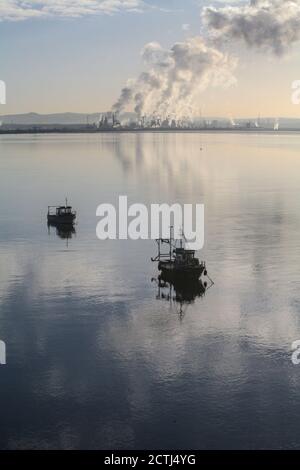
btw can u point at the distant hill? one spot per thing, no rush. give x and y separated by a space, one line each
58 118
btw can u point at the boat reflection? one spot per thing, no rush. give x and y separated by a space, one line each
63 231
179 294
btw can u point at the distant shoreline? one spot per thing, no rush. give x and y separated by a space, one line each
66 130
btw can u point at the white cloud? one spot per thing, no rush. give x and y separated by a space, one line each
185 27
15 10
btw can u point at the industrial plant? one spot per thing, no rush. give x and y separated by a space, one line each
111 120
131 122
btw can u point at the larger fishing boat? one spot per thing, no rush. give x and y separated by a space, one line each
179 263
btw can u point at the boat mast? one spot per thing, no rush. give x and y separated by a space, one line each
160 242
182 238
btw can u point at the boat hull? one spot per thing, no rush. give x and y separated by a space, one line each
61 220
180 273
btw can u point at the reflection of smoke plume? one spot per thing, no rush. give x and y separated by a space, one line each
272 25
174 78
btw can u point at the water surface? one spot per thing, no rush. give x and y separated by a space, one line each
96 358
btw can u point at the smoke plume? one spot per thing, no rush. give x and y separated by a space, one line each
174 77
269 25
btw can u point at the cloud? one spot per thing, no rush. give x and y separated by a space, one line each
174 78
186 27
268 25
16 10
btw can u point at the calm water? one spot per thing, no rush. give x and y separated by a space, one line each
94 358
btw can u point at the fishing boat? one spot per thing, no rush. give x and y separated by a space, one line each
178 264
61 215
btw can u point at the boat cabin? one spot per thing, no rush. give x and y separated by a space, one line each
184 256
60 211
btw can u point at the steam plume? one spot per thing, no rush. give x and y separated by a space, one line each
174 77
270 25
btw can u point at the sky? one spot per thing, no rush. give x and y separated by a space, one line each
78 55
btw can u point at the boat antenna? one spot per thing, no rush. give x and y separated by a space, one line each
66 202
171 227
182 237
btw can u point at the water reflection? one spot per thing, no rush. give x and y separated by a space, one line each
163 160
179 294
63 231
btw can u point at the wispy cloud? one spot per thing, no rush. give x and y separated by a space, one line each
16 10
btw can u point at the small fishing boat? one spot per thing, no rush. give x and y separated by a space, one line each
179 264
61 215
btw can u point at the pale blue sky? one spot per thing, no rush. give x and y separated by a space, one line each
55 64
